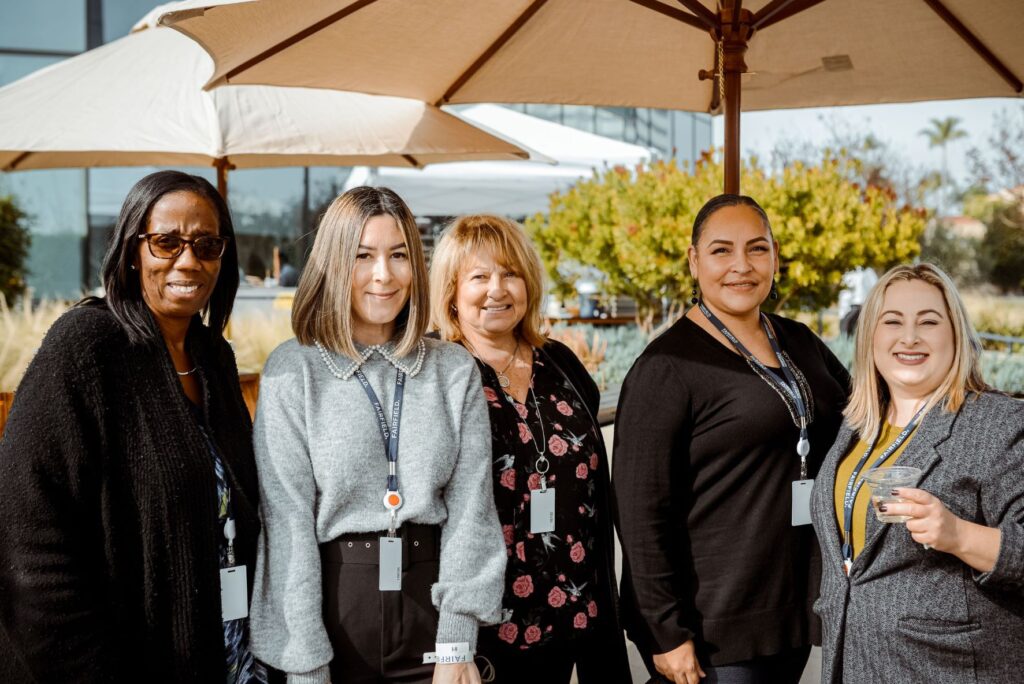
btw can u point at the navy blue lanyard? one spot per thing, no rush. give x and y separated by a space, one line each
791 387
853 486
390 434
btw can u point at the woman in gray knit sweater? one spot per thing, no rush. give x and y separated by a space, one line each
379 556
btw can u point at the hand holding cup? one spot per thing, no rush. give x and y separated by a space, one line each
928 520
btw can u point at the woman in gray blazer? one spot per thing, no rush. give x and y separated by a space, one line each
940 596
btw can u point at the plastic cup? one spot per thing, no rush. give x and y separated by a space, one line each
882 481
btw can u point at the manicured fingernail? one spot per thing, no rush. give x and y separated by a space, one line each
895 492
883 508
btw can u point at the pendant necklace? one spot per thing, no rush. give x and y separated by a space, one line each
503 379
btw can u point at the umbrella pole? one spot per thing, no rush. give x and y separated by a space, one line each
736 30
222 177
732 132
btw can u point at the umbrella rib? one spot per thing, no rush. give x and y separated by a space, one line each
706 16
17 160
412 161
506 35
301 35
778 10
975 43
674 13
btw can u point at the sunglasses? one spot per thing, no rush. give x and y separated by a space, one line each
167 246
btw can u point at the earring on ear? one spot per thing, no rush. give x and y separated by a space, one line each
774 294
131 266
693 296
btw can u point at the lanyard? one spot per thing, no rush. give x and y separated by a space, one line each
853 486
392 498
790 386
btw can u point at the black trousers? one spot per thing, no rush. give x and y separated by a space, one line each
595 656
380 636
779 668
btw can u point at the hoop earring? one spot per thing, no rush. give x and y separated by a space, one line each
774 294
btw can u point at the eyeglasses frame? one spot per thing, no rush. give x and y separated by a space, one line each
190 242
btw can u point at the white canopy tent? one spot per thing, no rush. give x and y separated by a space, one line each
509 188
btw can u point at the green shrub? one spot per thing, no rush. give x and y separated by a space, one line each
14 244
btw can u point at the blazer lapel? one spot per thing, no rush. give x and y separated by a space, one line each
922 452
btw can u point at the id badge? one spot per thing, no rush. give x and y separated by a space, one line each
801 514
390 578
234 599
542 510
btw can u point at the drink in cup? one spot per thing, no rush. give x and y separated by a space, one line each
882 481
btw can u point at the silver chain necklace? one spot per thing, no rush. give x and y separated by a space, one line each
503 380
188 372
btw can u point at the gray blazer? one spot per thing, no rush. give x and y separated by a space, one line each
906 614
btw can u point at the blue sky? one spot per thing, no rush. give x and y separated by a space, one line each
896 124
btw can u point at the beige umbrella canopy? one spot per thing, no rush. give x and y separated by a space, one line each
637 53
139 101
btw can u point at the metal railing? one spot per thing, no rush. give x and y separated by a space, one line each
1008 340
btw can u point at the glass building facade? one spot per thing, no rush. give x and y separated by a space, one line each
669 133
72 211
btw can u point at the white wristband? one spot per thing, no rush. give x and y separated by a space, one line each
447 654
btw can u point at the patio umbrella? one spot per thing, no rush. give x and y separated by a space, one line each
681 54
138 101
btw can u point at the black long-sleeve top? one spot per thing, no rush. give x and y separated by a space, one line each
705 454
109 543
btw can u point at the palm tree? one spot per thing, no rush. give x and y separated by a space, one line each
940 134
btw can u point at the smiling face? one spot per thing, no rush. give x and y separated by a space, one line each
734 260
178 288
913 344
490 298
381 280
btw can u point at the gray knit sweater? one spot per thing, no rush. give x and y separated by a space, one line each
322 472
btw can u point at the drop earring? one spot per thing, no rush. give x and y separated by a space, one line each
694 296
774 294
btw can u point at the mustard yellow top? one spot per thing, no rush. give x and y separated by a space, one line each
862 502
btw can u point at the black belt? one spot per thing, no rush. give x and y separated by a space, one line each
419 543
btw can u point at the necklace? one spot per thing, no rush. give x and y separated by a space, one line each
503 380
188 372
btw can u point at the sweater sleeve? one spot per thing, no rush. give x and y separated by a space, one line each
1002 499
651 424
51 541
472 567
286 619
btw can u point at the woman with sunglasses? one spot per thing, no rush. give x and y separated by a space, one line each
127 479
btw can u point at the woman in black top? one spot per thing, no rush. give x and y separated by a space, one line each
127 480
720 566
559 608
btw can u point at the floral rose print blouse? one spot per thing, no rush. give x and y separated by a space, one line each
551 578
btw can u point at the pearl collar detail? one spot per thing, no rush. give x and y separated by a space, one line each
410 364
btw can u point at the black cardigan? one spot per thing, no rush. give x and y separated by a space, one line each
705 453
609 652
109 568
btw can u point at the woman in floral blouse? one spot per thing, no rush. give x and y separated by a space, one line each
551 481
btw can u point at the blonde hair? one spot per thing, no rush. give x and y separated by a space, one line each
507 242
322 310
869 399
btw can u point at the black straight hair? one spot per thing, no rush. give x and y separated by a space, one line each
122 283
720 202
